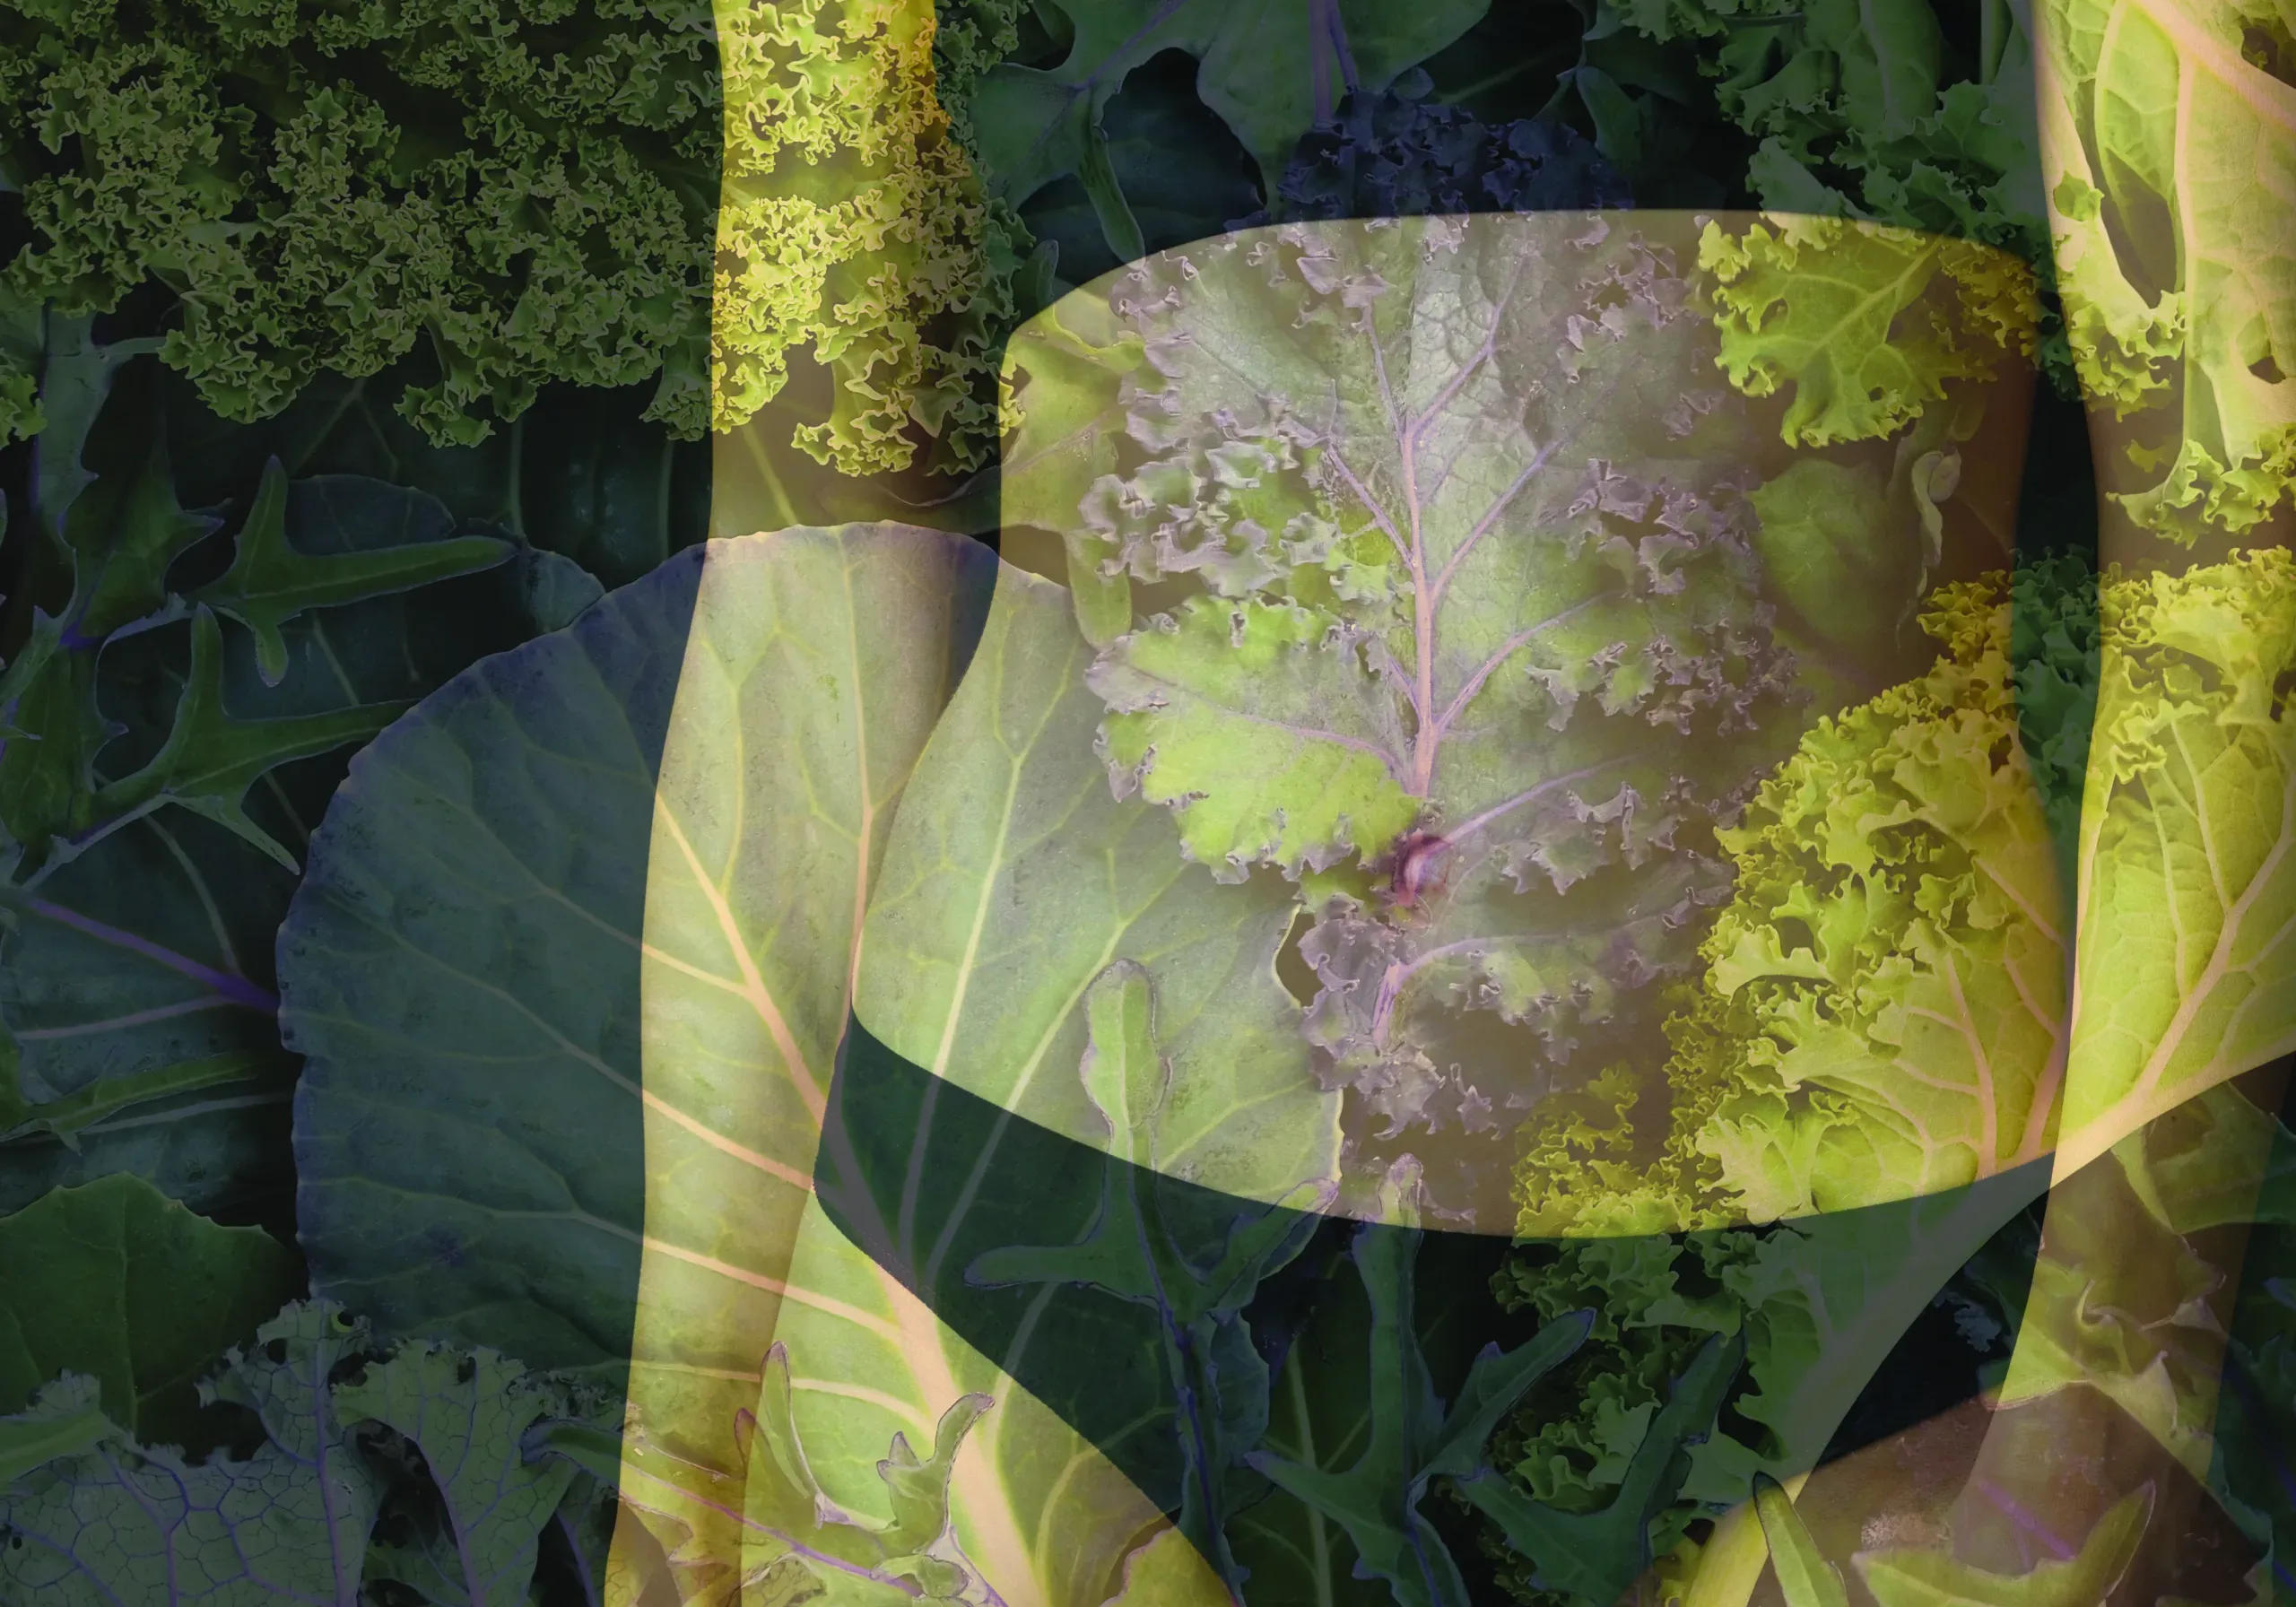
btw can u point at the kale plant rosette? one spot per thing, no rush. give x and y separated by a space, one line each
1379 647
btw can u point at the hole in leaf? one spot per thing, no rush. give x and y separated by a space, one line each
2266 369
1291 967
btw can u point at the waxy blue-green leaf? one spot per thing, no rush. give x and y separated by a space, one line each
572 959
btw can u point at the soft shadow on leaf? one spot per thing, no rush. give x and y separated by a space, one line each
115 1280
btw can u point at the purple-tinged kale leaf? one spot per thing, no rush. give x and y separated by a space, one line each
1461 621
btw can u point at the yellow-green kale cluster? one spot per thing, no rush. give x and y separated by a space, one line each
515 192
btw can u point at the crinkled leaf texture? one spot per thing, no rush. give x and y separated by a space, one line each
1867 324
117 1522
1878 1051
467 1415
2187 888
851 230
446 1494
1469 613
2163 147
1883 1013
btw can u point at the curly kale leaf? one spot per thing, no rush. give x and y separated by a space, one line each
424 1467
1857 320
850 224
2188 886
282 173
1395 155
467 1416
2190 343
119 1522
1868 111
1475 624
1883 1012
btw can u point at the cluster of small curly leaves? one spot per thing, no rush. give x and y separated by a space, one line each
851 225
1867 111
2189 346
1399 155
331 1498
1882 1012
1474 611
1868 323
522 191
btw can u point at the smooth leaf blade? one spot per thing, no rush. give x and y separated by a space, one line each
2188 886
1014 878
643 845
1804 1575
114 1279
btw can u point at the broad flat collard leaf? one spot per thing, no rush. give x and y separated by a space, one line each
1461 501
115 1280
1016 879
1269 70
1036 1510
2163 143
118 1523
2188 882
137 986
817 665
771 1533
598 894
1013 882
